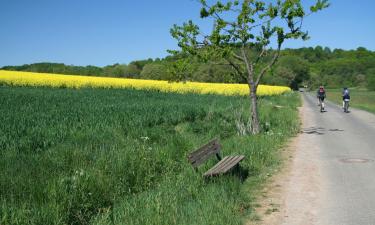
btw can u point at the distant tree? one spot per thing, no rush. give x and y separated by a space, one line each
360 80
293 70
362 52
215 73
279 76
238 28
92 70
154 71
327 50
132 71
370 77
361 49
119 70
115 70
141 63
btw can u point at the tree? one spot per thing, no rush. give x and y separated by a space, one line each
132 71
242 34
371 79
215 73
141 63
155 71
294 69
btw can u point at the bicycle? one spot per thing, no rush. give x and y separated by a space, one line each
321 103
346 105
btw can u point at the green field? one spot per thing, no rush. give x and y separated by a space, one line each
360 98
102 156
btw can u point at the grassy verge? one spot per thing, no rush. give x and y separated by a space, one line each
360 98
97 156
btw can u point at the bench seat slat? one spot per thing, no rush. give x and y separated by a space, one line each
235 160
224 165
225 162
218 169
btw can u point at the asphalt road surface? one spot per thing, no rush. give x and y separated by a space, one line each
332 179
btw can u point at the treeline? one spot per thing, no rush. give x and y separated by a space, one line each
335 68
133 70
296 67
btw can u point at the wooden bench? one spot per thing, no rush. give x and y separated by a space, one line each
202 154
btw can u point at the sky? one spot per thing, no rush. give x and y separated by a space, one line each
104 32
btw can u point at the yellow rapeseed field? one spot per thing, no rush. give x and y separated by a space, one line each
72 81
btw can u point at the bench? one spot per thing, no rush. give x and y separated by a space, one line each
208 150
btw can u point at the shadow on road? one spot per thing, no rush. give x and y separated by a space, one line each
335 130
319 130
313 130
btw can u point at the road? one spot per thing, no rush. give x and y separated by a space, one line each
332 174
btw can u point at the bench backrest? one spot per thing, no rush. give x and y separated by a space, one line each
200 155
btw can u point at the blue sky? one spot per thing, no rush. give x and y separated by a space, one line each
103 32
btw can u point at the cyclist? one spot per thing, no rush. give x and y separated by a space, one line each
345 96
321 95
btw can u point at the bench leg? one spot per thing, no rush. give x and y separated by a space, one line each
240 172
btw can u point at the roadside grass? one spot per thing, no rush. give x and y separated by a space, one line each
360 98
107 156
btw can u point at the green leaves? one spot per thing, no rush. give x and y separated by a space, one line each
204 13
244 23
305 36
272 11
186 36
320 5
181 69
280 35
238 21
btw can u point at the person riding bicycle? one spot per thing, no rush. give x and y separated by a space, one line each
345 96
321 94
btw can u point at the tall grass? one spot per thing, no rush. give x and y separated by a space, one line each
95 156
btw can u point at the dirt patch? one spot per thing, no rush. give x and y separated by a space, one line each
290 197
271 202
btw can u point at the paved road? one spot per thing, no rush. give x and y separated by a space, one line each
332 178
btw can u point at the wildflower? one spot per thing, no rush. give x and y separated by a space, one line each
145 138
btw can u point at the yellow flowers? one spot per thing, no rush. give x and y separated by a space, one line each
72 81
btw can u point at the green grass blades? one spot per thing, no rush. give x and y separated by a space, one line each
119 156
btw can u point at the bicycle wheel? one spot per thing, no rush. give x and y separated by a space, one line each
347 107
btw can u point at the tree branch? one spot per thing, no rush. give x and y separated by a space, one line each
249 67
260 55
238 57
237 68
273 61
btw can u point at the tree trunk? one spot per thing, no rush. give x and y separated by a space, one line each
255 126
